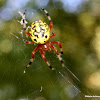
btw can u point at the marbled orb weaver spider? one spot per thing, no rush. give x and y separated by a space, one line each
40 35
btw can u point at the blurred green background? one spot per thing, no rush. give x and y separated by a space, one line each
77 27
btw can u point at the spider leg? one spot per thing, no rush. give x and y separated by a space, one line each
42 54
51 24
29 42
53 34
57 42
23 21
23 40
58 55
31 60
26 32
49 18
55 49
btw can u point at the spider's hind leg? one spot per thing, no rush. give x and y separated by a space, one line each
58 55
42 54
31 60
57 42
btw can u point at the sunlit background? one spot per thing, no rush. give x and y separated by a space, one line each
77 27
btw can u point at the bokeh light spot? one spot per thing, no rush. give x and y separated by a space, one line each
6 46
72 5
93 80
41 3
71 91
40 98
86 20
6 14
96 42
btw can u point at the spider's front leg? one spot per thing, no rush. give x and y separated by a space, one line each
43 56
23 21
49 18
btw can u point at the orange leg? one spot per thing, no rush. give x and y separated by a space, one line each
29 42
42 54
58 55
26 32
51 24
55 49
33 53
53 35
56 42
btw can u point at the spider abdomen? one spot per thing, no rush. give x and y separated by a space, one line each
39 32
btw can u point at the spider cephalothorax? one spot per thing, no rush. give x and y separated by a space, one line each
40 35
39 32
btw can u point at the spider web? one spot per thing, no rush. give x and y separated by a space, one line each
62 74
39 82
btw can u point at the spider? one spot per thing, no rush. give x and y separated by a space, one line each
40 35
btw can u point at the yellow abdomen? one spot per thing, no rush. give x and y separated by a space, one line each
39 32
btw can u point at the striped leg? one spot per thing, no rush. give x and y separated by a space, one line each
51 24
42 54
58 55
31 60
56 42
23 21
